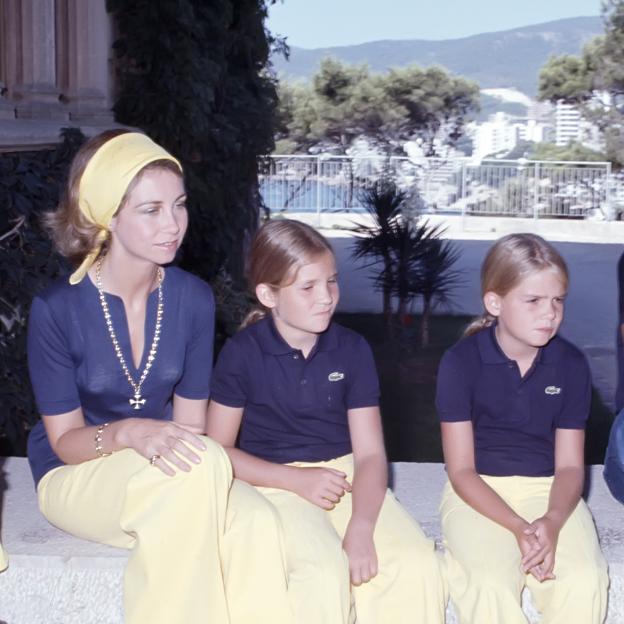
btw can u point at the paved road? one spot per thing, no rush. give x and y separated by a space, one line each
591 309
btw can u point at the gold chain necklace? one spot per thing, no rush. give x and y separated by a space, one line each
137 402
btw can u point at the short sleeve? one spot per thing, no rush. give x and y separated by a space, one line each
577 400
51 367
363 387
195 380
453 392
229 382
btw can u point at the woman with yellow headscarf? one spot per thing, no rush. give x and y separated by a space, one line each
120 358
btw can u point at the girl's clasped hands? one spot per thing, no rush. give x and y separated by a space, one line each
538 546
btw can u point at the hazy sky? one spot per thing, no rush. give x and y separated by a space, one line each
322 23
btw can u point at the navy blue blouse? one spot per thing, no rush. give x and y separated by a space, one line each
514 418
295 408
73 364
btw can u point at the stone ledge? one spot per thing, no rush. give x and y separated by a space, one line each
33 134
479 227
57 579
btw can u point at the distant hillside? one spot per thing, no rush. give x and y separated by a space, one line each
510 58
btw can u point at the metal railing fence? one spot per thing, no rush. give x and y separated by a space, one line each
521 188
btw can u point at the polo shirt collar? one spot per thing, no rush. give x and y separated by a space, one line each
491 353
328 340
271 340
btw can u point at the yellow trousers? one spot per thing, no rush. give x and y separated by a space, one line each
204 548
483 560
408 588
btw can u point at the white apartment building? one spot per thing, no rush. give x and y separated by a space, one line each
568 122
498 134
570 125
501 133
536 131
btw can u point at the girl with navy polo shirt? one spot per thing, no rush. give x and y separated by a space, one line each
120 358
513 398
295 402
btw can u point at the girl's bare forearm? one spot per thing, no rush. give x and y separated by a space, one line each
370 481
260 472
565 494
472 489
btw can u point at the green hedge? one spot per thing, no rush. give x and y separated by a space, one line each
194 76
30 183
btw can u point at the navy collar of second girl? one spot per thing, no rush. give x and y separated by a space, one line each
271 341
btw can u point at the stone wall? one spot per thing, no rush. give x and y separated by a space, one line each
55 69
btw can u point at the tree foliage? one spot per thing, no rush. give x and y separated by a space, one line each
434 277
193 75
412 259
345 102
437 104
573 151
594 81
383 201
30 184
565 78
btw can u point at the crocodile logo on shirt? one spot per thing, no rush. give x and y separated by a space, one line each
552 390
335 376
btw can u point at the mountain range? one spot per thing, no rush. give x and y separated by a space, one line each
505 59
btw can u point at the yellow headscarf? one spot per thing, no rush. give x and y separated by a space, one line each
105 181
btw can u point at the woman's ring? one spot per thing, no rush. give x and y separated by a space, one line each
154 459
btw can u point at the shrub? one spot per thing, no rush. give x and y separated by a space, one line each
30 183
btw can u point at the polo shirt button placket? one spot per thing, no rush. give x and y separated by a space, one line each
307 396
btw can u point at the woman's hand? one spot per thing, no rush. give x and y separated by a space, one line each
322 486
360 548
165 439
541 562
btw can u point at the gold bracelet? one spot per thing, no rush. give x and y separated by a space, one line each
99 434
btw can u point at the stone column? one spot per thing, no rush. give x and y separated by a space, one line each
36 92
9 29
84 61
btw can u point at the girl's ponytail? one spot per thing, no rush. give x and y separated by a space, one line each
256 314
479 323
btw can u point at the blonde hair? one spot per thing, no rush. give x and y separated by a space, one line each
74 236
510 260
278 250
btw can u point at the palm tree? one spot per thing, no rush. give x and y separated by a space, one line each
406 248
433 276
422 265
416 260
383 201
